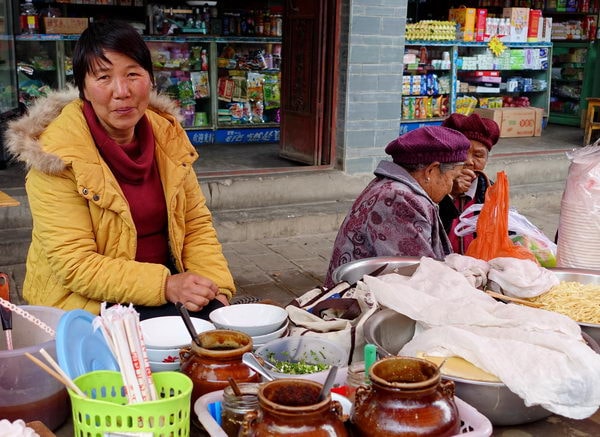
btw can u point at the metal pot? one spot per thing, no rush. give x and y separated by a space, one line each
354 270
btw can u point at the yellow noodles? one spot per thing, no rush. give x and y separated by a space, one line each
580 302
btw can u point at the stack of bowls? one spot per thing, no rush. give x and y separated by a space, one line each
262 322
165 336
577 246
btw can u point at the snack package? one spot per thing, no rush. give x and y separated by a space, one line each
200 83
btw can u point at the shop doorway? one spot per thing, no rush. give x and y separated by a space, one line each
309 79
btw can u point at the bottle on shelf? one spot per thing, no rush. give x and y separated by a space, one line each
29 19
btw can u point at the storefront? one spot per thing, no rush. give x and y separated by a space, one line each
269 86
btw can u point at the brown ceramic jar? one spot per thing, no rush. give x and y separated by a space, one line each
218 358
406 397
290 408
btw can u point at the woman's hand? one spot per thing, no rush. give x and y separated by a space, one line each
194 291
463 182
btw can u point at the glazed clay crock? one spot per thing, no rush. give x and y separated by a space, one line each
289 407
219 357
406 397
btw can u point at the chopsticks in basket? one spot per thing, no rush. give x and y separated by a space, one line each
55 371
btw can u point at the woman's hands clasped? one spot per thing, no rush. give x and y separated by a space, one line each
193 290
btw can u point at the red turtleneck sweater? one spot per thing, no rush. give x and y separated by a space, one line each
135 169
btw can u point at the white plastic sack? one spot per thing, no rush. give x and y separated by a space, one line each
538 354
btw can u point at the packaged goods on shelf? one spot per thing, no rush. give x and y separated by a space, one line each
568 30
547 29
431 30
535 26
65 25
421 108
515 122
490 102
466 104
480 20
465 22
519 23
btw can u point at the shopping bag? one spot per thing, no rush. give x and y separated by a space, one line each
520 229
337 315
492 240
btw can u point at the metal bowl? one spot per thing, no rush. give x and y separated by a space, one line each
390 331
584 277
354 270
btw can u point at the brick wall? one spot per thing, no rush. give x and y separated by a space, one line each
372 44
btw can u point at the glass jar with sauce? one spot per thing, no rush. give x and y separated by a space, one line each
234 407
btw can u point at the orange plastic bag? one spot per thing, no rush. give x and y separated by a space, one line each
492 240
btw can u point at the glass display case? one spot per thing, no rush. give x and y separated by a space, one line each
44 62
9 103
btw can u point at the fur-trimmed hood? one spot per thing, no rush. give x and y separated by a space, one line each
22 138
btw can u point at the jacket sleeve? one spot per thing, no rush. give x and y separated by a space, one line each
64 236
201 252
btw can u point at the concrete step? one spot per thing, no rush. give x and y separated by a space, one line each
530 168
296 203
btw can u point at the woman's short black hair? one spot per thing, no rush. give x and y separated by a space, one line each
117 36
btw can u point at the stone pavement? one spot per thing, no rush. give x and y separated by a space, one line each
279 269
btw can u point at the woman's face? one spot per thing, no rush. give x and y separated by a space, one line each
119 92
440 182
477 156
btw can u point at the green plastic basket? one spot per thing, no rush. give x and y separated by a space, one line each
106 409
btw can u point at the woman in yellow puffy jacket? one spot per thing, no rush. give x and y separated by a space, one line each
118 213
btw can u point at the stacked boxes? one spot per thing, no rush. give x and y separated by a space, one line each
465 22
515 122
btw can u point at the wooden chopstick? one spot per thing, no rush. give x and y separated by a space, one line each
513 299
55 371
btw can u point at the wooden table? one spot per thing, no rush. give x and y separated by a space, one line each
6 200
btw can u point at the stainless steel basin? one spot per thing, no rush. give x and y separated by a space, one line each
583 277
354 270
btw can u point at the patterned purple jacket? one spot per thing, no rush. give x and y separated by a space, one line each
393 216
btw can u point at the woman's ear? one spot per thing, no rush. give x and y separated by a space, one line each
430 169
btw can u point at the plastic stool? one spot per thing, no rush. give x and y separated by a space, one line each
593 103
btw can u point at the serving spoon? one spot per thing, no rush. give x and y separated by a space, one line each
250 360
329 380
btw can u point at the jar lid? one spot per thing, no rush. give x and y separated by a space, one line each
79 348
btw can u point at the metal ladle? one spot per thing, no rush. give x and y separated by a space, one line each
250 360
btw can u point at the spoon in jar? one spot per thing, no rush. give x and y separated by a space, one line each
187 320
329 380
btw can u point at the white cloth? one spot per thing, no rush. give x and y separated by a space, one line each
474 269
521 277
538 354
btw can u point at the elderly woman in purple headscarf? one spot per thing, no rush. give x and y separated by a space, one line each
397 213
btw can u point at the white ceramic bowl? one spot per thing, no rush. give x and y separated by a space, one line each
163 355
262 339
164 367
251 318
169 332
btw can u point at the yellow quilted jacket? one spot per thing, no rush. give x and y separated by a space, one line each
84 239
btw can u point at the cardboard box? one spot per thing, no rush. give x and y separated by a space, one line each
534 26
480 21
519 23
65 25
465 22
515 122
